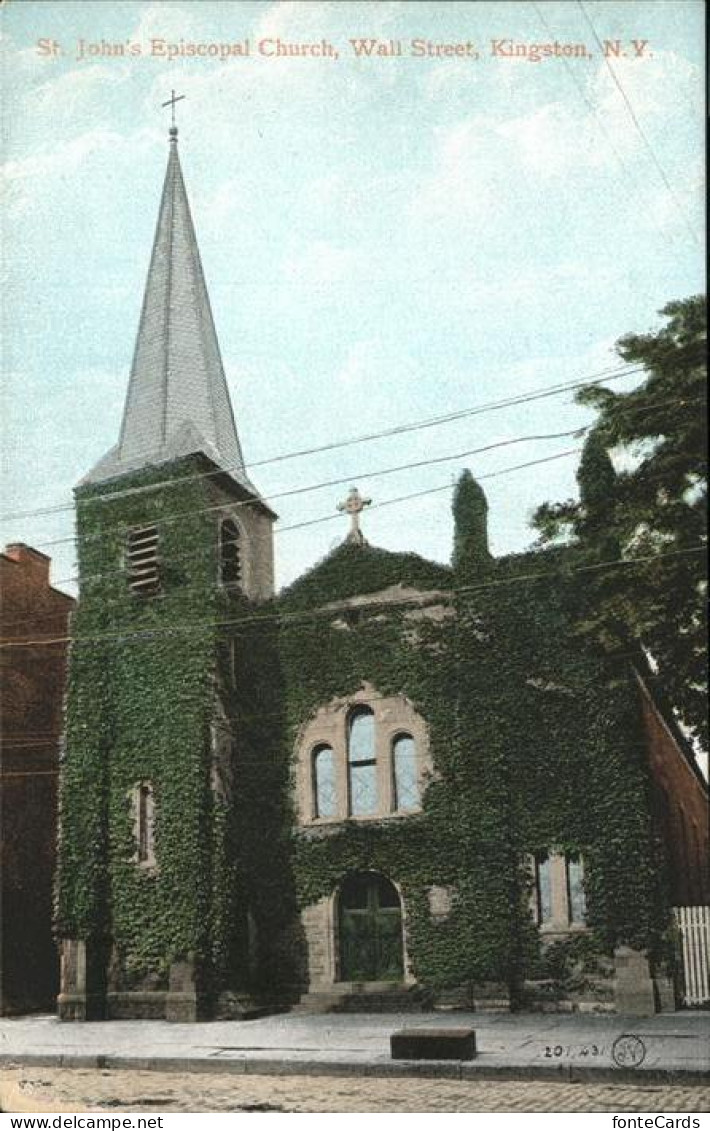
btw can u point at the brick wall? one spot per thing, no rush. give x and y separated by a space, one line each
681 804
32 681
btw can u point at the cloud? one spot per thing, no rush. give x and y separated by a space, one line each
33 182
169 21
321 264
62 159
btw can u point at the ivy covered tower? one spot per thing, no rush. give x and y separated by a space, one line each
174 546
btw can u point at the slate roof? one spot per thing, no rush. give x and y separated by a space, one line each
177 401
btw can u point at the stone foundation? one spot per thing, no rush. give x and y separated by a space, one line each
81 992
633 985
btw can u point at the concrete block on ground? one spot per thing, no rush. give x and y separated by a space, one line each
433 1044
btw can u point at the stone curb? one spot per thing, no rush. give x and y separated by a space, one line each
452 1070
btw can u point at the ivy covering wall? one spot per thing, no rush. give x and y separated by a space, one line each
535 741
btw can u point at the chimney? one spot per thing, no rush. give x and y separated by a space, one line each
35 564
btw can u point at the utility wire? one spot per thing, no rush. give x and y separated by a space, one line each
312 614
192 555
639 128
330 517
178 516
612 374
250 717
599 120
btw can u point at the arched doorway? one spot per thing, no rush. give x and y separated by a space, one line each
370 920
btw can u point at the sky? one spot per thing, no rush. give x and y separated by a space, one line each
385 239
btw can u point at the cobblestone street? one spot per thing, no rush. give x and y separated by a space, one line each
79 1089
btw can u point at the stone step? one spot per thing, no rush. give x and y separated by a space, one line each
360 1001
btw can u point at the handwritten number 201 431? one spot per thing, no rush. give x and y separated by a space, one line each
556 1051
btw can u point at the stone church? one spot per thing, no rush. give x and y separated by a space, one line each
396 784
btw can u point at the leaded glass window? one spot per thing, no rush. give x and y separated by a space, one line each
324 782
543 889
362 763
576 900
406 778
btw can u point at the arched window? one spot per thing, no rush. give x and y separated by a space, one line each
362 762
406 778
324 793
230 553
576 900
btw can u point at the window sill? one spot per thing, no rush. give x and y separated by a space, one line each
563 928
370 819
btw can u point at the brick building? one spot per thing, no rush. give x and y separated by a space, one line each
32 697
681 800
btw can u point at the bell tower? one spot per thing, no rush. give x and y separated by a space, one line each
175 547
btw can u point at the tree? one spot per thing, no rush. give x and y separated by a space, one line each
653 509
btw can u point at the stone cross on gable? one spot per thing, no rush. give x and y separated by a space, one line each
354 505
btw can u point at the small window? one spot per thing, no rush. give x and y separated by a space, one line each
362 763
576 900
142 561
230 553
543 889
144 823
406 778
324 782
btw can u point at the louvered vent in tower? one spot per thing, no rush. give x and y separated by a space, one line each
143 564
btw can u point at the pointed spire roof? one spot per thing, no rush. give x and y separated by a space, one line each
177 401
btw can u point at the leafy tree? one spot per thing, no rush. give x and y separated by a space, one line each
652 509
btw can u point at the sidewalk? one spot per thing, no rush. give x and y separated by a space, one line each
666 1048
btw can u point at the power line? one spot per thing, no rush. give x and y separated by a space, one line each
192 555
641 132
611 374
599 120
287 617
216 507
330 517
177 516
250 717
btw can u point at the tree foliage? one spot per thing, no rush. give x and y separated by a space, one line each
653 509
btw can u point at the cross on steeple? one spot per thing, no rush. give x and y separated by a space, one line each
171 103
354 505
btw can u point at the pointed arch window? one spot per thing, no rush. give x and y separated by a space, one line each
406 777
230 553
362 763
324 791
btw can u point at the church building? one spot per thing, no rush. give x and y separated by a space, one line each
396 784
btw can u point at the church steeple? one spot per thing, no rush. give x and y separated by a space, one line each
178 401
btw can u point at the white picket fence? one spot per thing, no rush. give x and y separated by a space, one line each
694 927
